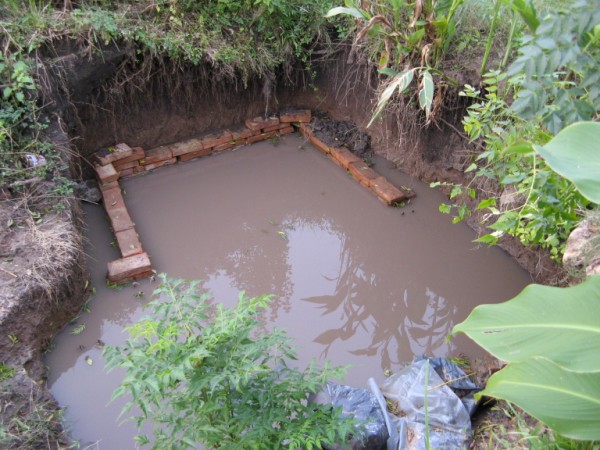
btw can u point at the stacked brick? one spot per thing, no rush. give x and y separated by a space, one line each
123 161
360 171
110 164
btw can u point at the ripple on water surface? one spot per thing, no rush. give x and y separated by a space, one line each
353 281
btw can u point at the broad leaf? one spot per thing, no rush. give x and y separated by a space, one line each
343 10
561 324
400 82
426 93
574 153
569 402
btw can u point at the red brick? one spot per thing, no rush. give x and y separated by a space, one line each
286 130
107 173
112 154
261 137
167 162
189 146
113 199
259 123
138 153
344 156
120 219
273 128
107 186
126 172
335 161
240 132
120 166
157 154
129 268
241 141
361 171
306 130
387 192
223 147
300 115
318 143
212 140
129 242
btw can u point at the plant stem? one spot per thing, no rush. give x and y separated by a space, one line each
513 29
490 39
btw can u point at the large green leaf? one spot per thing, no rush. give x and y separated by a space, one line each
568 402
400 81
343 10
574 153
561 324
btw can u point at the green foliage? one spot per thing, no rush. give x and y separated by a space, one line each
557 68
539 207
6 372
404 39
550 337
565 152
215 376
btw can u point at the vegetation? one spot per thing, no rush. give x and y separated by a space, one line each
215 376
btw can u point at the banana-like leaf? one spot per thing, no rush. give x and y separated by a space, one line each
561 324
348 11
574 153
400 81
426 93
568 402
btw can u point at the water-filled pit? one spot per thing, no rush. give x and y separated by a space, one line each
354 281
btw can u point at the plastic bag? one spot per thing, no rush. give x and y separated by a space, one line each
372 433
448 419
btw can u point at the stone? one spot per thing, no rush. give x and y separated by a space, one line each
157 154
361 171
296 116
88 191
387 192
130 268
259 123
188 146
111 154
344 156
107 173
582 250
129 242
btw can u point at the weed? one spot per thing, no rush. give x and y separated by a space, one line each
6 372
78 330
13 339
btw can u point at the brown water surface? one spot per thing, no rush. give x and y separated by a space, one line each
354 281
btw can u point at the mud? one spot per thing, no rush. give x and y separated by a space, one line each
354 281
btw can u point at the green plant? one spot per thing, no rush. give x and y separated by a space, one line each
6 372
405 39
531 201
557 68
550 337
210 375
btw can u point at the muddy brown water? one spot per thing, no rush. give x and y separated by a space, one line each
354 281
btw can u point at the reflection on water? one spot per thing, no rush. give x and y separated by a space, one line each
353 281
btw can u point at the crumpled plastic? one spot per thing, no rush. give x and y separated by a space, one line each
448 415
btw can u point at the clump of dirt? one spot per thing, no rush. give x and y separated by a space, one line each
42 277
338 133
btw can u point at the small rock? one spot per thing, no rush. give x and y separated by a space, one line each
88 191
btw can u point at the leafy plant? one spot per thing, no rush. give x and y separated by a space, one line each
550 336
404 39
531 201
213 376
557 68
